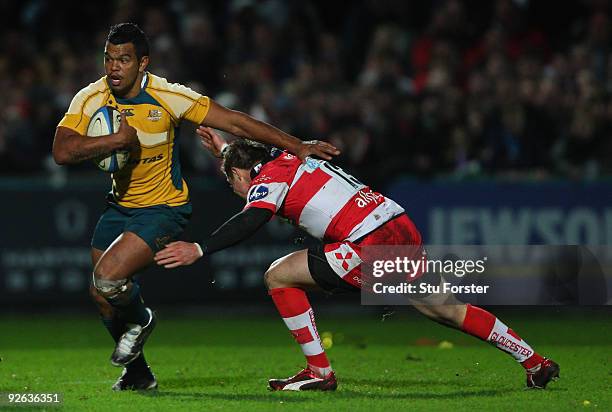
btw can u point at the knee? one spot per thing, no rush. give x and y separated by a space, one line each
445 314
101 272
108 289
107 281
273 277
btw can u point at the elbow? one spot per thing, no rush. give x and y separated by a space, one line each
62 145
60 161
61 157
59 152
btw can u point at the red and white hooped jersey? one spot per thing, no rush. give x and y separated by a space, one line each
320 198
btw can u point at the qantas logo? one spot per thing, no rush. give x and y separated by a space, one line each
145 160
258 193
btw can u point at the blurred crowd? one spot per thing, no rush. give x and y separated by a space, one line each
442 88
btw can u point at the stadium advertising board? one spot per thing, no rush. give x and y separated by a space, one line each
45 255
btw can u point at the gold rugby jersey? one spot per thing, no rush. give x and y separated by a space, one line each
153 174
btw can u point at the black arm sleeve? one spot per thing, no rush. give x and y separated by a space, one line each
237 229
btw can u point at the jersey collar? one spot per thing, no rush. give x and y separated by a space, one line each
274 153
143 96
256 169
143 82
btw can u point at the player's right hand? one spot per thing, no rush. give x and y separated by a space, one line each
126 134
317 148
177 254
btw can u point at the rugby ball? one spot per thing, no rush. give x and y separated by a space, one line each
106 121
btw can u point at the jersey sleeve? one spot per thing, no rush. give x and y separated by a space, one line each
83 106
182 102
269 189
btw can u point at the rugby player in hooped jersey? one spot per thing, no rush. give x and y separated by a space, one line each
346 215
149 203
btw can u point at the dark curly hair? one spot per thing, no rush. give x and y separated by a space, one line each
129 33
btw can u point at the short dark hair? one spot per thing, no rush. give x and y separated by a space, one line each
243 154
129 33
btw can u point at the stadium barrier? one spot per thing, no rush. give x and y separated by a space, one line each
45 254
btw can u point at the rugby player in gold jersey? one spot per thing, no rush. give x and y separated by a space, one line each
148 205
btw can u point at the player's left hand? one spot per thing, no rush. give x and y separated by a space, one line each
211 140
177 254
317 148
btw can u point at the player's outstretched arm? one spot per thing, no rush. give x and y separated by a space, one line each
242 125
71 147
235 230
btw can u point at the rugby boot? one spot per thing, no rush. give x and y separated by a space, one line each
539 376
131 342
136 380
305 380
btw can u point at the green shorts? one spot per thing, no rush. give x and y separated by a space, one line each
156 225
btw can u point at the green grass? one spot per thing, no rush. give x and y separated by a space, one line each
212 364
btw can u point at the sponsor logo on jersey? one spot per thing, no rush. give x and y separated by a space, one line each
264 178
145 160
344 258
289 156
311 165
366 196
154 115
258 193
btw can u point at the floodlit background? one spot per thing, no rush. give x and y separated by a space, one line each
488 121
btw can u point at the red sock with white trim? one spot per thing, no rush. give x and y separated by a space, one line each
484 325
293 306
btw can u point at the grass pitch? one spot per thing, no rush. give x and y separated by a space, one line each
207 363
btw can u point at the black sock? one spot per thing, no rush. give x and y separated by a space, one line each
116 328
134 311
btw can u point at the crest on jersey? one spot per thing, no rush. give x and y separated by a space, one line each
311 165
258 193
154 115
